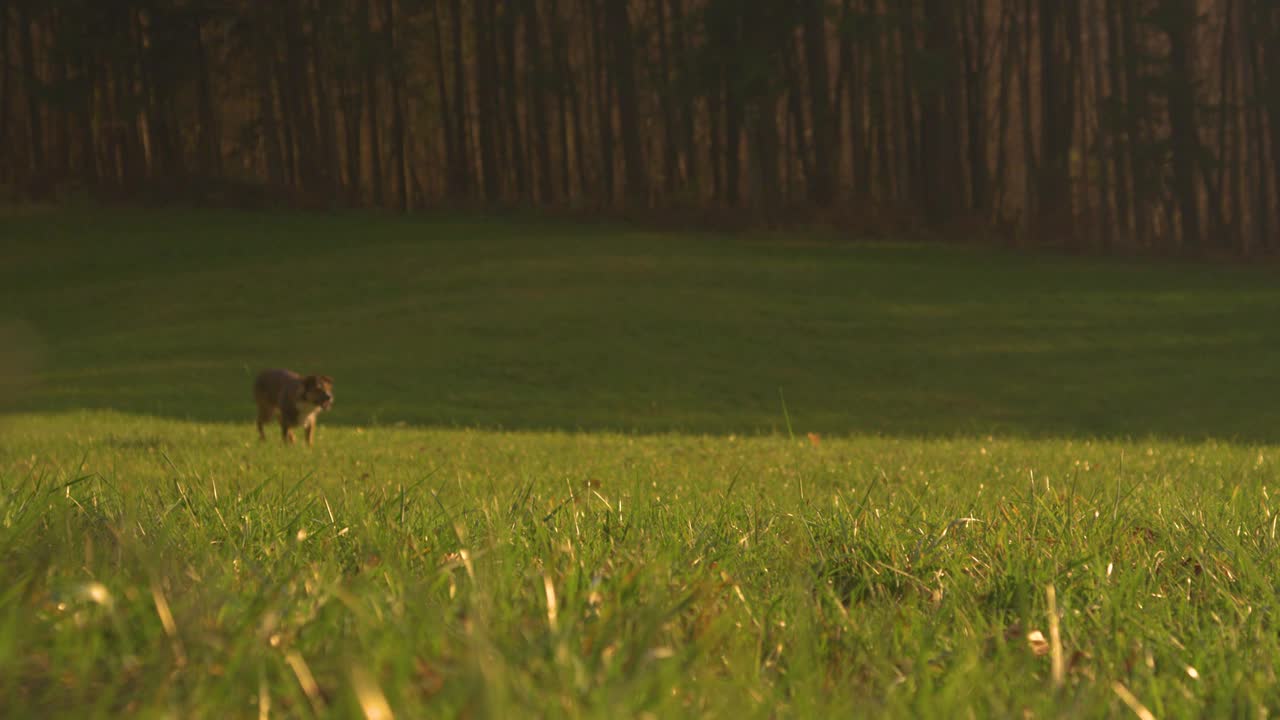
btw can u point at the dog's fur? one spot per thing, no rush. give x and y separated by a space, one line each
298 399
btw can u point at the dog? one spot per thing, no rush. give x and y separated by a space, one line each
298 399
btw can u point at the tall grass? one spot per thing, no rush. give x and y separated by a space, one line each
163 567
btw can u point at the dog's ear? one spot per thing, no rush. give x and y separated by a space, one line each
326 379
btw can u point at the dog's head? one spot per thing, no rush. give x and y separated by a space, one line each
318 390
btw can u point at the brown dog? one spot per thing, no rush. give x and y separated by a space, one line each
298 399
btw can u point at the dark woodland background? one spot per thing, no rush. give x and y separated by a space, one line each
1093 124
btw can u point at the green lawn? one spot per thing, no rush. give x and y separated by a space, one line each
559 479
541 326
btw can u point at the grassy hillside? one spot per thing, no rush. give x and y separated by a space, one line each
540 326
558 479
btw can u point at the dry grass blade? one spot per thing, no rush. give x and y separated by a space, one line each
264 699
1134 704
372 700
550 589
166 621
306 680
1058 669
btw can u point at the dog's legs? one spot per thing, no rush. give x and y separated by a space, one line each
286 434
264 417
311 429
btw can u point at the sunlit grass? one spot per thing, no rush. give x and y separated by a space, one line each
163 566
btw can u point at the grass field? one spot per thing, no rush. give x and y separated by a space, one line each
585 471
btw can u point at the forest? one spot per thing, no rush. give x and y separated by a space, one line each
1098 125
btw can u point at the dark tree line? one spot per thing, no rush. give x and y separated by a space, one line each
1091 123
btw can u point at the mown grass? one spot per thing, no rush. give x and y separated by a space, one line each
645 538
542 326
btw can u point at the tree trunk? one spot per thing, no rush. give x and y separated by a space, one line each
670 151
486 80
571 110
909 127
618 29
562 81
1030 161
579 113
151 121
942 181
270 128
87 165
688 113
210 134
460 103
760 34
1057 113
59 147
1218 183
889 146
851 90
296 93
509 96
454 187
395 77
1119 144
5 162
715 148
35 124
536 85
826 151
1255 119
976 52
1182 122
352 112
1008 31
327 155
732 146
287 123
371 107
1268 76
604 103
96 67
795 107
1102 151
1133 109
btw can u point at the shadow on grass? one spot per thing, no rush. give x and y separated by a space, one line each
495 324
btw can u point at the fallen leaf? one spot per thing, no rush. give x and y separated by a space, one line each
1039 645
